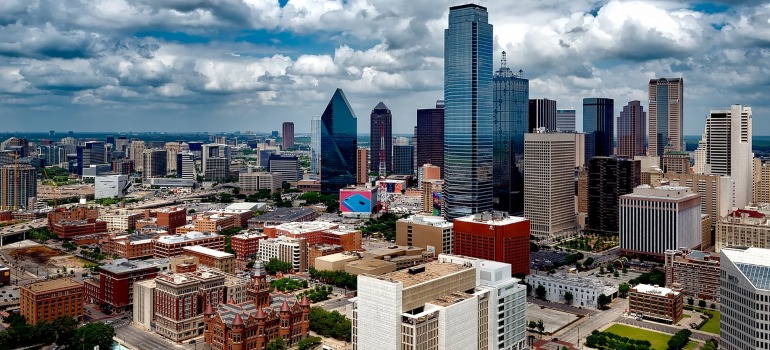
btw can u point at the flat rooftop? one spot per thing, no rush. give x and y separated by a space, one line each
209 251
338 257
392 250
284 214
648 289
494 219
369 264
46 286
304 227
451 299
123 266
171 239
433 270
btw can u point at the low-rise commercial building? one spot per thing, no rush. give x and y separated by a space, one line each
116 281
334 262
121 220
254 182
311 230
211 223
655 303
585 291
134 246
220 260
494 236
48 300
743 228
433 233
144 304
246 245
369 266
72 228
282 216
319 250
349 239
286 249
168 246
693 272
110 186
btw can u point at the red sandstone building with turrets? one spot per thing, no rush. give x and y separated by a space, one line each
254 324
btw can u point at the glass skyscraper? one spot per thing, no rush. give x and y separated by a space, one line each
315 144
666 109
511 110
430 136
468 121
598 121
338 144
381 143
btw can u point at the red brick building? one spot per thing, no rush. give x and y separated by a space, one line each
172 218
70 228
180 300
246 244
132 246
116 281
49 300
77 213
168 246
494 236
349 239
656 303
253 324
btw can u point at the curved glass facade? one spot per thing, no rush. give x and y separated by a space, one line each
598 120
338 144
468 121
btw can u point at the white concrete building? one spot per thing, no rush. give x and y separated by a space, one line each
144 303
653 220
585 291
550 160
111 186
744 298
120 220
455 303
253 182
185 166
728 149
290 250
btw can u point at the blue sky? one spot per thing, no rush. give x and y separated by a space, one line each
248 65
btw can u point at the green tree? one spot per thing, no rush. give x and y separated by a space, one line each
679 340
625 270
540 291
623 289
308 343
603 300
276 344
274 266
713 306
701 303
330 324
568 297
540 326
532 325
588 262
615 274
690 301
93 334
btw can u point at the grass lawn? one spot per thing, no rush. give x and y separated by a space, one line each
686 316
659 341
712 325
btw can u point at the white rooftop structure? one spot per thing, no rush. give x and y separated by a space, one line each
189 236
306 226
673 192
428 220
209 251
657 290
495 218
245 206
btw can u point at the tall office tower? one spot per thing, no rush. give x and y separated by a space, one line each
154 163
565 120
185 166
430 133
287 166
728 149
549 187
338 144
403 157
494 236
287 135
381 142
666 113
744 296
362 160
91 153
19 145
542 114
608 179
699 166
136 151
172 150
18 183
453 303
511 113
414 148
632 126
654 220
121 144
468 122
598 121
216 162
677 162
763 185
315 145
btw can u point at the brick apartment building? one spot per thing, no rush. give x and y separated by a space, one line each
656 303
494 236
311 230
76 213
48 300
172 218
132 246
168 246
210 223
180 300
116 281
349 239
694 272
225 262
246 245
70 228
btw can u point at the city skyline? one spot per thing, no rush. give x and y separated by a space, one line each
233 66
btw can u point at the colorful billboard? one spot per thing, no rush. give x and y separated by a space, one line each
391 186
356 201
436 203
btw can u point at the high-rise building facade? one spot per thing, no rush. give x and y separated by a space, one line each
632 128
216 162
608 179
654 220
542 115
468 122
381 143
315 145
287 166
743 227
338 144
511 113
565 120
549 190
403 157
666 113
18 184
763 185
287 135
135 152
728 149
494 236
154 163
430 133
185 166
172 150
454 303
598 122
744 295
362 160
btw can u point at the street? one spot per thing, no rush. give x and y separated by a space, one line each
593 321
139 339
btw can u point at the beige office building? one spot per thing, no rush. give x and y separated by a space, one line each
762 183
744 228
664 112
716 192
433 233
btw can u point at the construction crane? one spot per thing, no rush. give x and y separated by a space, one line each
53 188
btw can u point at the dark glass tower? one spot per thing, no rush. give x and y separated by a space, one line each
338 144
542 114
598 120
608 179
381 131
468 121
430 135
403 157
632 125
511 110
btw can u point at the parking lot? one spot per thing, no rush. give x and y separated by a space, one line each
553 320
545 258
